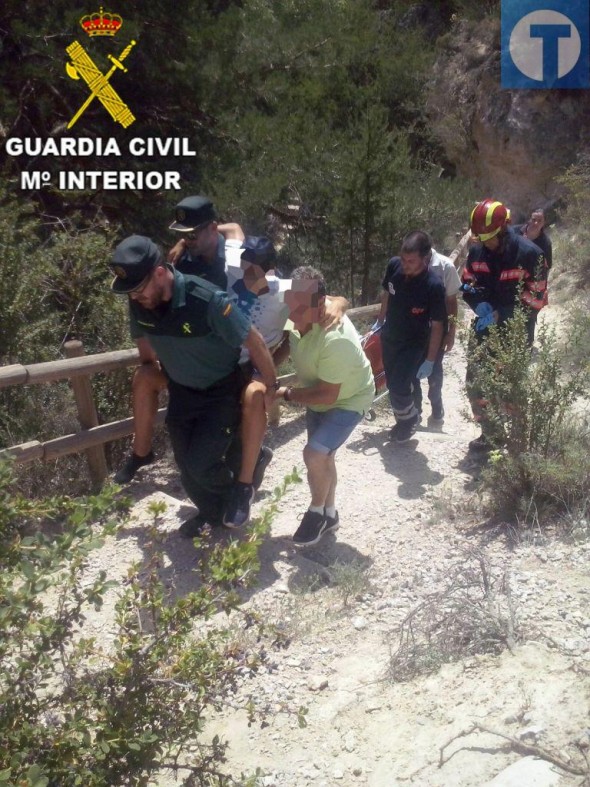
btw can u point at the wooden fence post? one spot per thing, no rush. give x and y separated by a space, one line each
87 415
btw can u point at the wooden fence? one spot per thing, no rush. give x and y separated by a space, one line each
79 368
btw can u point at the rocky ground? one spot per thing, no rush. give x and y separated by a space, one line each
409 523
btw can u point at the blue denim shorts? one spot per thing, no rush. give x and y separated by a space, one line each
327 431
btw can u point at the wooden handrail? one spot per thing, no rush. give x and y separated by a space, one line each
83 440
67 368
81 368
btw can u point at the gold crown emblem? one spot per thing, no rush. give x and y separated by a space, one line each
101 23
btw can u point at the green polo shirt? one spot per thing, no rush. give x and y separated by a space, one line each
197 335
334 356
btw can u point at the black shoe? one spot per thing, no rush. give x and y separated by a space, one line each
237 513
264 459
312 528
403 430
131 466
481 445
333 522
438 414
193 527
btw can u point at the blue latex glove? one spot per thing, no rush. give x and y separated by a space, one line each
485 313
425 369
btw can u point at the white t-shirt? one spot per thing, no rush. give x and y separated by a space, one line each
445 270
268 312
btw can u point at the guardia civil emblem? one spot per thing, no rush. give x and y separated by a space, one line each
83 67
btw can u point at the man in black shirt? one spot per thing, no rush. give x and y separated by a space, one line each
414 311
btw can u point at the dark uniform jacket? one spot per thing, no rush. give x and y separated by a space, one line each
212 271
413 302
197 336
517 273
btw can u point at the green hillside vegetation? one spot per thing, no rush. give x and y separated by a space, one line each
313 104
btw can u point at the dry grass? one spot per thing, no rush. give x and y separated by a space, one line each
473 614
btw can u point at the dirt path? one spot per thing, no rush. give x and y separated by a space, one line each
405 527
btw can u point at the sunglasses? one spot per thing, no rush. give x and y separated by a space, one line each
195 233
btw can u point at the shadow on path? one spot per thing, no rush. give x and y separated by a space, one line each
402 461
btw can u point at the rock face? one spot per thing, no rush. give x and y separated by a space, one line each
512 143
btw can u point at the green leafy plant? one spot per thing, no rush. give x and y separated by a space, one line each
77 710
541 464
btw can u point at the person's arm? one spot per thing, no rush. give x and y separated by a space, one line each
261 358
146 351
534 292
281 353
231 231
335 308
452 310
436 337
319 393
176 252
476 274
383 309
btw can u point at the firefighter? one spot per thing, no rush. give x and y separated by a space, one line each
504 271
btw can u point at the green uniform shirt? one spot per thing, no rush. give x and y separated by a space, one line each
334 356
197 335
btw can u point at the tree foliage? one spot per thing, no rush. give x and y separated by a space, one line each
313 103
307 122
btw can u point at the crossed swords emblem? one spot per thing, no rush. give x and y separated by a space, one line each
100 87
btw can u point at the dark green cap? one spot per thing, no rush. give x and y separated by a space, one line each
192 213
133 261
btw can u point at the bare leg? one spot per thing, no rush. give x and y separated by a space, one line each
321 476
148 381
331 498
253 428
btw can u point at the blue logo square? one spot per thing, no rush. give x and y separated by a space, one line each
545 44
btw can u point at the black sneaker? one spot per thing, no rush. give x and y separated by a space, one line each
131 466
237 513
264 459
333 522
193 527
312 528
438 414
403 430
481 445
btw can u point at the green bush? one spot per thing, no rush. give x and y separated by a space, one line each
55 288
77 711
542 463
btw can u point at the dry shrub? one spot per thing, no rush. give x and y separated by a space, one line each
473 614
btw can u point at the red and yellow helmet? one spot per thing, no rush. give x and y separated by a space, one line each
488 218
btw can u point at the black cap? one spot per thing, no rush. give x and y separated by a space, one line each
260 251
191 213
133 261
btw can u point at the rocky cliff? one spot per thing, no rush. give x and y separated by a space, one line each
512 143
